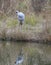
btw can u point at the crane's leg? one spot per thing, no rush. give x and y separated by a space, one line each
19 26
21 23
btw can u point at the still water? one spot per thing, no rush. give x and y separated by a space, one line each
34 53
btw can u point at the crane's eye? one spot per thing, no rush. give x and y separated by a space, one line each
16 12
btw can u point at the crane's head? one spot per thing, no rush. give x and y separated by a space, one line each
17 11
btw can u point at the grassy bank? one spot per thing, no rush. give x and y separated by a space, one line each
10 29
10 26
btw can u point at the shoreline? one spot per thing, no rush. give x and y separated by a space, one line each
23 36
43 41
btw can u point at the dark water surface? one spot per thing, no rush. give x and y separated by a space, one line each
34 53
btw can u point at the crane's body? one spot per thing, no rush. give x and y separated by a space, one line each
19 60
21 17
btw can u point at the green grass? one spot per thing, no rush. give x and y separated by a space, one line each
11 22
32 20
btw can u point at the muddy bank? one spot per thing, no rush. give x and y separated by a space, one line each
23 35
30 40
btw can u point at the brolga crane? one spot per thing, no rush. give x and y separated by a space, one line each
20 58
21 17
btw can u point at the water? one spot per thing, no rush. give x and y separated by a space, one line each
34 53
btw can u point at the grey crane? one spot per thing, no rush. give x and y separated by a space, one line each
20 58
21 17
